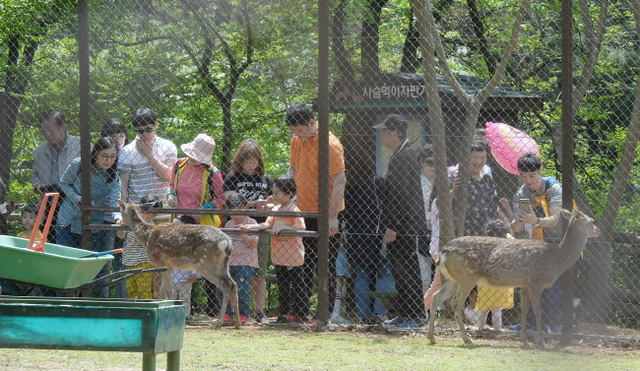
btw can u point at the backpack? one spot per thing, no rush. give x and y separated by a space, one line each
541 207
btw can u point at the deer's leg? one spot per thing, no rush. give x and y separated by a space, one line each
233 296
228 287
536 300
165 284
524 310
230 293
214 278
448 288
464 288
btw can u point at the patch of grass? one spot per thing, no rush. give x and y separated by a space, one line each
260 348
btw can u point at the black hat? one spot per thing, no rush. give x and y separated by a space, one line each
393 122
147 206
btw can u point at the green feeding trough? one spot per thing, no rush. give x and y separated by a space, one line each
146 326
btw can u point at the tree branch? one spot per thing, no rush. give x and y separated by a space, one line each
140 42
593 41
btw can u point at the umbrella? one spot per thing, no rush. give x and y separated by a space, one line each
508 144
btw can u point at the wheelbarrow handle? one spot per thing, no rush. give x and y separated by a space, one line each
102 253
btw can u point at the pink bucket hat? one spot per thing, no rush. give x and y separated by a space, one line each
201 149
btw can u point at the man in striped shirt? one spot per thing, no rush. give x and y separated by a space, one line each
145 163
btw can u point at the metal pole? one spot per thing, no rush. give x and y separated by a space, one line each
323 160
85 116
568 110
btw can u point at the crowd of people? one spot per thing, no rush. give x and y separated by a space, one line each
384 233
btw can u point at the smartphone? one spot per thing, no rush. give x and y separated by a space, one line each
525 205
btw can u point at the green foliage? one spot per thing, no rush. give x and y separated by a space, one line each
627 221
26 17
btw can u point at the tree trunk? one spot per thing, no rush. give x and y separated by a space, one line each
410 59
227 139
370 37
15 85
426 28
600 305
8 114
345 69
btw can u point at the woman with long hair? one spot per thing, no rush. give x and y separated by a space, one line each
105 192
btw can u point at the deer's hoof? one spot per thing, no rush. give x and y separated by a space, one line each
215 326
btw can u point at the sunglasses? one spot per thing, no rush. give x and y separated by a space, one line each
148 129
150 205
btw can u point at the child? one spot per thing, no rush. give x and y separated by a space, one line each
343 272
28 216
287 252
244 258
427 178
247 177
135 256
182 283
182 280
434 247
494 300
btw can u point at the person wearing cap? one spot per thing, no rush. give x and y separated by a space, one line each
145 164
403 221
196 183
303 166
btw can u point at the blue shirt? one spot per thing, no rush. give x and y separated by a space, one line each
103 193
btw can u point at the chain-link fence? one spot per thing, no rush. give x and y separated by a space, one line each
199 100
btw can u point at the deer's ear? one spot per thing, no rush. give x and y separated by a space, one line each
566 213
121 205
577 214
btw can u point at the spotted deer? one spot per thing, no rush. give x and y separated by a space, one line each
529 264
203 248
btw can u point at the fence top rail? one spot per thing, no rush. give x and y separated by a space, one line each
249 212
286 232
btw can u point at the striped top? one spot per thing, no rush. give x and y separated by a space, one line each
134 253
143 179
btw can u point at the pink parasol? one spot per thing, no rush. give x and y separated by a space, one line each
508 144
